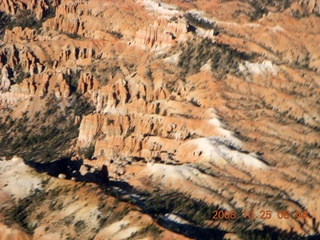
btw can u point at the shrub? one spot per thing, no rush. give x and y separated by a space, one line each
116 34
199 21
5 20
224 58
88 152
79 225
25 18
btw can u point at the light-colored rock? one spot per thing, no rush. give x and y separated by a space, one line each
228 115
62 176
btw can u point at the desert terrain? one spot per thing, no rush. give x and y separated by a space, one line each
145 119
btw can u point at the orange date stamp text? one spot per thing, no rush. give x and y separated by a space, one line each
262 214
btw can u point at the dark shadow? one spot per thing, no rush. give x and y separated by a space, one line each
191 28
124 192
122 185
156 207
63 165
71 168
191 231
274 234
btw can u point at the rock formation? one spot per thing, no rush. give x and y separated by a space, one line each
214 101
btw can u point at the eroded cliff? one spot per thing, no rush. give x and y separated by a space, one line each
216 101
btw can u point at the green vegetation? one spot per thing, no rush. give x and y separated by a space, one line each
116 34
68 220
48 136
110 121
72 79
87 152
27 19
82 106
195 211
46 145
198 213
224 58
4 21
194 56
24 18
199 22
269 233
264 6
34 207
21 74
79 226
151 229
111 213
259 10
23 209
72 35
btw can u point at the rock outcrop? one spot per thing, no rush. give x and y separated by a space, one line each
162 33
13 233
216 101
11 6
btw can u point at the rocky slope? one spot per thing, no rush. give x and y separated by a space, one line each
68 209
215 101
